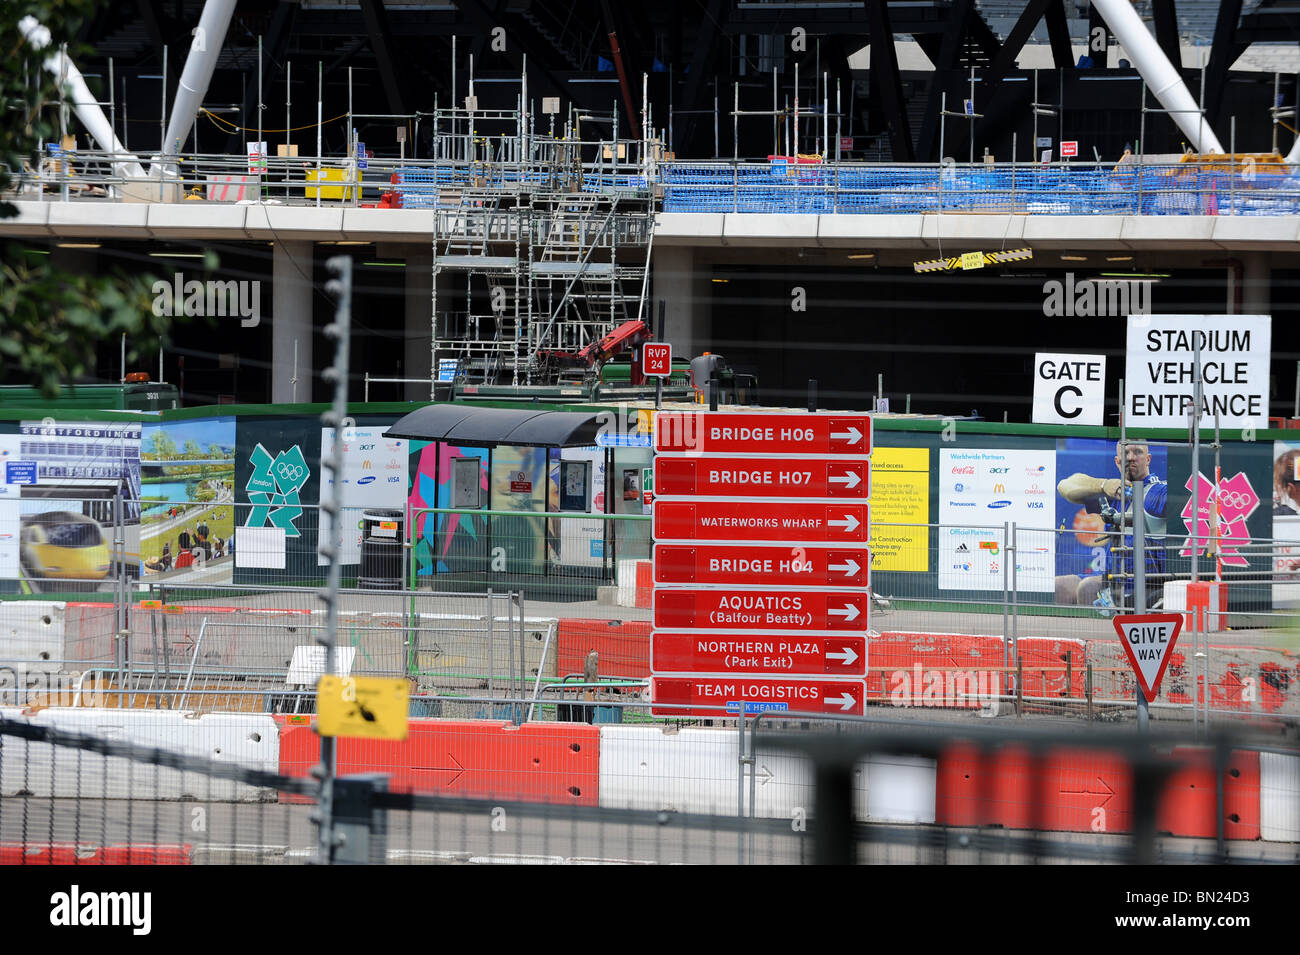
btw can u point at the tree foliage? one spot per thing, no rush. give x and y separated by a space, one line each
51 319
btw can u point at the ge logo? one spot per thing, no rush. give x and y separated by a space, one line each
290 472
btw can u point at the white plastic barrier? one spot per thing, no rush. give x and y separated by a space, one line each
1279 797
626 579
43 769
898 788
31 636
695 770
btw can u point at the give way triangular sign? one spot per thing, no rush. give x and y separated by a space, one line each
1148 639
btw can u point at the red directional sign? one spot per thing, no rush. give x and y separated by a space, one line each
760 521
718 696
761 477
744 653
1148 639
751 565
722 432
657 359
754 610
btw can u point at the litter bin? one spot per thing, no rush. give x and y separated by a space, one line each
381 550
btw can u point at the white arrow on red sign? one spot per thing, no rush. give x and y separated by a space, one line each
850 523
849 612
1148 639
849 567
848 479
848 656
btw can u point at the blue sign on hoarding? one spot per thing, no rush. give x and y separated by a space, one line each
20 472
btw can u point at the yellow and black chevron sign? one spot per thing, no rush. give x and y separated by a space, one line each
973 260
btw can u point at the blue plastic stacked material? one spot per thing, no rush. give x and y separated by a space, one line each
418 188
1044 190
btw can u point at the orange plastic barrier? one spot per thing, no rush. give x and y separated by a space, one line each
1078 790
645 583
623 647
147 855
1187 805
1053 668
56 854
71 854
536 762
1244 679
933 669
1072 790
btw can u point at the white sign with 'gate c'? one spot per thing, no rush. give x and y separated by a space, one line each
1069 389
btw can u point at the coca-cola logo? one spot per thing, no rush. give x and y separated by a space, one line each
964 469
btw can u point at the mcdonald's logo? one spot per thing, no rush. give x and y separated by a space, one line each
999 489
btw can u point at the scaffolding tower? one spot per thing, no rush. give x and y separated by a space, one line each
540 246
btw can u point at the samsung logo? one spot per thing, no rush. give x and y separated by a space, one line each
368 479
996 504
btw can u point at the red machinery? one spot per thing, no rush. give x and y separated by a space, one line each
627 336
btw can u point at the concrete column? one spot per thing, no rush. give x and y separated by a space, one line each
291 322
417 357
680 281
1256 280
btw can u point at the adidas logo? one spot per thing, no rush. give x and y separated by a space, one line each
963 549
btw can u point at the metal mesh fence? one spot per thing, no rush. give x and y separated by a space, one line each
1244 187
558 609
865 790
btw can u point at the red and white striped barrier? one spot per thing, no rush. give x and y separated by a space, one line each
233 188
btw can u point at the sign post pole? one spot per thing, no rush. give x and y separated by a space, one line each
1194 433
1140 580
